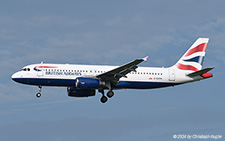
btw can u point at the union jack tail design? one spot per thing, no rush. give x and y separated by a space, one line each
192 60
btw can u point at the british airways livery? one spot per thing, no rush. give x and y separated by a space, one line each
84 80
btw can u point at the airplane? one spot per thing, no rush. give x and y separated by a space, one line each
84 80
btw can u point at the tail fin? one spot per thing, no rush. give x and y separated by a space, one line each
192 60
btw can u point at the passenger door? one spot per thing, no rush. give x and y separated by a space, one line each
40 71
171 75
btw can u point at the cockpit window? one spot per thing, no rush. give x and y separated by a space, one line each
25 69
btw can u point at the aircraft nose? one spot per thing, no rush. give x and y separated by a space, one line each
15 76
19 77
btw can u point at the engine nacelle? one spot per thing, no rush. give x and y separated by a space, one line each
77 92
86 82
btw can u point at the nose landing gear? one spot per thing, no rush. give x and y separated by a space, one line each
38 95
39 92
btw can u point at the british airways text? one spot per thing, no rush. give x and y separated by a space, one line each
62 73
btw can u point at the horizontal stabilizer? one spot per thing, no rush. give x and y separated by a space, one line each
199 73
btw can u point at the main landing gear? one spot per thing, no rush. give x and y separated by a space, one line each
109 94
39 92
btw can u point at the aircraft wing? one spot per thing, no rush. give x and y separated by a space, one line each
115 74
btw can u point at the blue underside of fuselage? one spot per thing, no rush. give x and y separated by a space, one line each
71 83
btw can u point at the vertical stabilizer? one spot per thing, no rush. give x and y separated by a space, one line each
192 60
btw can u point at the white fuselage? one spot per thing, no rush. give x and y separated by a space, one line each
65 75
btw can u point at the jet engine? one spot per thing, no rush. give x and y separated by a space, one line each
77 92
89 83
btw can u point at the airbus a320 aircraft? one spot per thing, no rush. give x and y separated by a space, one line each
84 80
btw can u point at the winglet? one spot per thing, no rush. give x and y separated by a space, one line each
145 59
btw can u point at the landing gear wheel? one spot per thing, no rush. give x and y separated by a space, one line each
104 99
110 94
38 95
39 91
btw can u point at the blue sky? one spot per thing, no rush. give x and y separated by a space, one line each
113 33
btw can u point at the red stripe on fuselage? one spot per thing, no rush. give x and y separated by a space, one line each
44 67
200 48
186 67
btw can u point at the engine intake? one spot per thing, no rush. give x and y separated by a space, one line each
77 92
